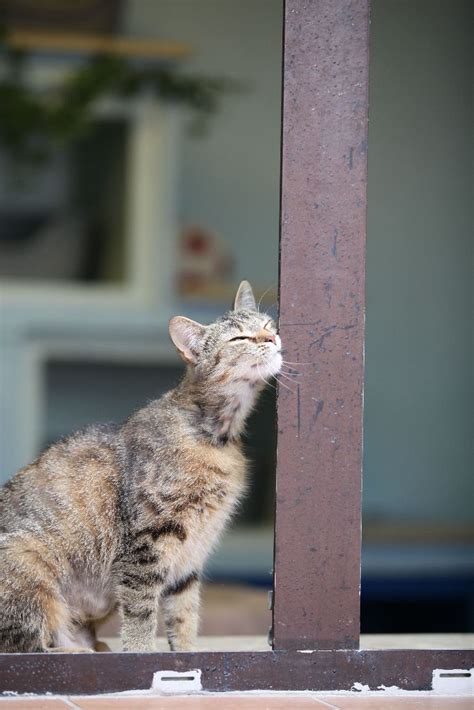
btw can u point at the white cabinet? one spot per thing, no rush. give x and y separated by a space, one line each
126 320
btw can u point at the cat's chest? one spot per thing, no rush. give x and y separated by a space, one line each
208 495
216 478
212 484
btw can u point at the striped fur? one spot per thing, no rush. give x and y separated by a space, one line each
124 517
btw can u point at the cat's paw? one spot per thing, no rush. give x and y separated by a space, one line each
138 648
184 648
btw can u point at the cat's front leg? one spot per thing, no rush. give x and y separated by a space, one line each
139 592
180 606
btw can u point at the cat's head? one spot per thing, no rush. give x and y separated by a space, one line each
242 343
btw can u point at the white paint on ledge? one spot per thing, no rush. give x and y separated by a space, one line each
453 681
393 689
177 682
445 681
360 688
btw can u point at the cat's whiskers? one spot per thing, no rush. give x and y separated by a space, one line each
262 297
280 382
290 362
276 378
291 371
283 374
267 382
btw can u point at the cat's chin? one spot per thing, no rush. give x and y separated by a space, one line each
272 367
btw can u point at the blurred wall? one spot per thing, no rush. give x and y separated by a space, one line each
418 450
418 443
418 436
230 179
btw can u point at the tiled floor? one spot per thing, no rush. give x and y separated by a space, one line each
400 703
241 702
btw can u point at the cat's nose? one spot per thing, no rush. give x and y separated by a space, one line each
266 337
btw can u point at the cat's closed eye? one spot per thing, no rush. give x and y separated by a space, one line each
241 337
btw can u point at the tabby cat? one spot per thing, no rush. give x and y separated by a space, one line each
124 517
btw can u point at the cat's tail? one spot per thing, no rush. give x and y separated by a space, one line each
30 607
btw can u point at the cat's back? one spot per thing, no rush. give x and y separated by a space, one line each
68 492
59 534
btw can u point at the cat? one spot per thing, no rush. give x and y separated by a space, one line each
125 517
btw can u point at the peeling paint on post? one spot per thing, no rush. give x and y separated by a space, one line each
322 260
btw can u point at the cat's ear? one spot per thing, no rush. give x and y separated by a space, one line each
244 298
187 335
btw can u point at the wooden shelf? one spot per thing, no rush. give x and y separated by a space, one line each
69 43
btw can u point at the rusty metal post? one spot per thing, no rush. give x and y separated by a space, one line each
322 259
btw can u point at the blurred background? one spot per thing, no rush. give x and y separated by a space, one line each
139 179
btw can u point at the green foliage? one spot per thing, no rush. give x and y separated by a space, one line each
33 123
